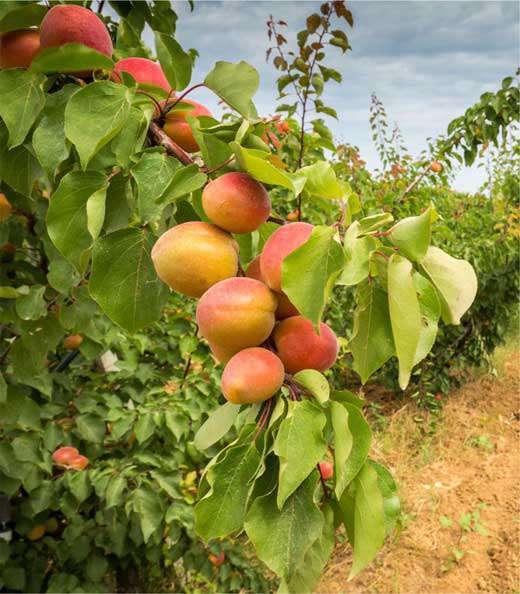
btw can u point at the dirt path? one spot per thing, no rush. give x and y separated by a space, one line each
459 490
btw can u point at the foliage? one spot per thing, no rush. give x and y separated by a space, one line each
93 180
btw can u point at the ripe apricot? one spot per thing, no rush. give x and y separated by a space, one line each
179 130
193 256
5 207
18 48
236 313
252 375
144 71
70 23
73 341
326 470
285 308
436 166
64 455
300 347
236 202
217 559
78 462
36 532
220 354
280 244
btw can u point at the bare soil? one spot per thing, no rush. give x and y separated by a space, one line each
459 486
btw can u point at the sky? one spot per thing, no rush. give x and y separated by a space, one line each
427 61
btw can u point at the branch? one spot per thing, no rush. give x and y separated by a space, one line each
160 138
414 183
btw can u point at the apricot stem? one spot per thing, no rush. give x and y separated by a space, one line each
226 162
264 417
157 104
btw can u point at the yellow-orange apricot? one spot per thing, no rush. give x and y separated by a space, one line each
18 48
280 244
5 207
73 341
236 313
193 256
300 347
252 375
36 532
436 166
236 202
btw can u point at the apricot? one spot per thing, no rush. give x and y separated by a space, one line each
5 208
36 532
300 347
70 23
193 256
179 130
144 71
236 313
280 244
63 455
73 341
436 166
220 354
217 559
18 48
51 525
252 375
326 470
236 202
285 308
78 462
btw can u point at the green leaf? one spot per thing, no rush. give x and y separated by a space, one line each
223 508
369 525
358 251
153 174
315 382
362 437
309 272
67 218
235 84
283 537
123 281
372 343
25 449
41 497
114 492
32 306
343 442
150 508
175 62
306 578
412 235
185 180
214 151
91 428
19 168
3 389
388 488
144 427
79 485
131 138
405 315
21 100
455 281
348 397
96 568
48 140
96 212
70 57
303 424
21 15
256 163
13 292
94 115
321 181
216 426
430 313
374 222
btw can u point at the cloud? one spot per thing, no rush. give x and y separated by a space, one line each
427 61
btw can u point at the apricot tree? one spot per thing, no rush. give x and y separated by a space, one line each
132 189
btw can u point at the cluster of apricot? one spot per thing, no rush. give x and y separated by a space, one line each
69 458
69 23
250 324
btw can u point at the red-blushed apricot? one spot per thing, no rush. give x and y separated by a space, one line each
220 354
18 48
252 375
5 207
217 559
436 166
78 462
73 341
36 532
236 202
69 23
326 470
280 244
144 71
236 313
193 256
64 455
179 130
300 347
285 308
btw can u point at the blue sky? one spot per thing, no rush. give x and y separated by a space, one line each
427 61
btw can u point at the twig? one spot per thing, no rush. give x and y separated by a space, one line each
264 417
172 148
171 105
414 183
276 220
185 372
